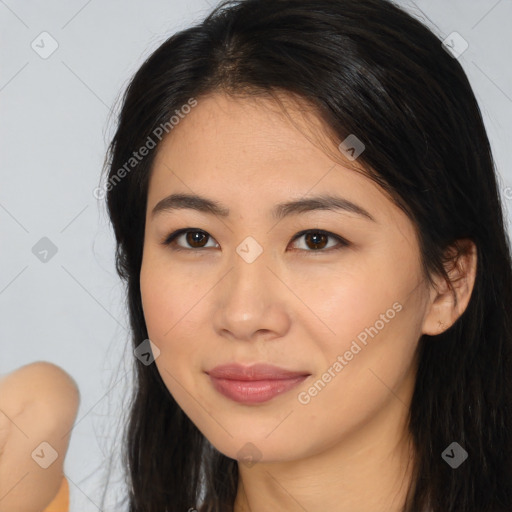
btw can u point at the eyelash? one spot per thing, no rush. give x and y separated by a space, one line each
170 240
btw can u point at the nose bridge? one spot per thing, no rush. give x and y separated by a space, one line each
249 273
248 300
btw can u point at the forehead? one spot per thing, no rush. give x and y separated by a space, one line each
246 152
245 125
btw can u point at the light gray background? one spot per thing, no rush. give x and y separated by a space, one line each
55 125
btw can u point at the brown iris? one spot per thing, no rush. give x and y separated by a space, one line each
196 237
317 239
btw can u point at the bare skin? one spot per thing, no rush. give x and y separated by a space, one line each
291 308
38 403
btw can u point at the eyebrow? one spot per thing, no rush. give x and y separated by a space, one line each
281 210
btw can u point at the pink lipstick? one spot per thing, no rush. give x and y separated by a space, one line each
254 384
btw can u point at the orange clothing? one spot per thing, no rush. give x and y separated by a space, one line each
60 502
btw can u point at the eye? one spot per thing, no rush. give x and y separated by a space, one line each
195 237
315 239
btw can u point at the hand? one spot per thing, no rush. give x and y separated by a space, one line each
39 403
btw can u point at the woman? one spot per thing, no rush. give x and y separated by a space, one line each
374 374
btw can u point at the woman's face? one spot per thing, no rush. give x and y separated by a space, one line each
244 288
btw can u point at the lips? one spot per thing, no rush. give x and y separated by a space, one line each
254 372
254 384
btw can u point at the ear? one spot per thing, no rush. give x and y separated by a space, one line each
448 300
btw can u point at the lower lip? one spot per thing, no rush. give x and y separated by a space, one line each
255 391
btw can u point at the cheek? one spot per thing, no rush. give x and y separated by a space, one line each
356 379
368 297
168 304
174 306
370 318
162 313
169 300
338 306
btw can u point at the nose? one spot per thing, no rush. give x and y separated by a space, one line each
251 301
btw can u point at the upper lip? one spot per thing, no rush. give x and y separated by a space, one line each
259 371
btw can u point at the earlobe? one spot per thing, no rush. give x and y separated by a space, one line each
448 301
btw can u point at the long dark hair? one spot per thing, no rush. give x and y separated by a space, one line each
368 68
